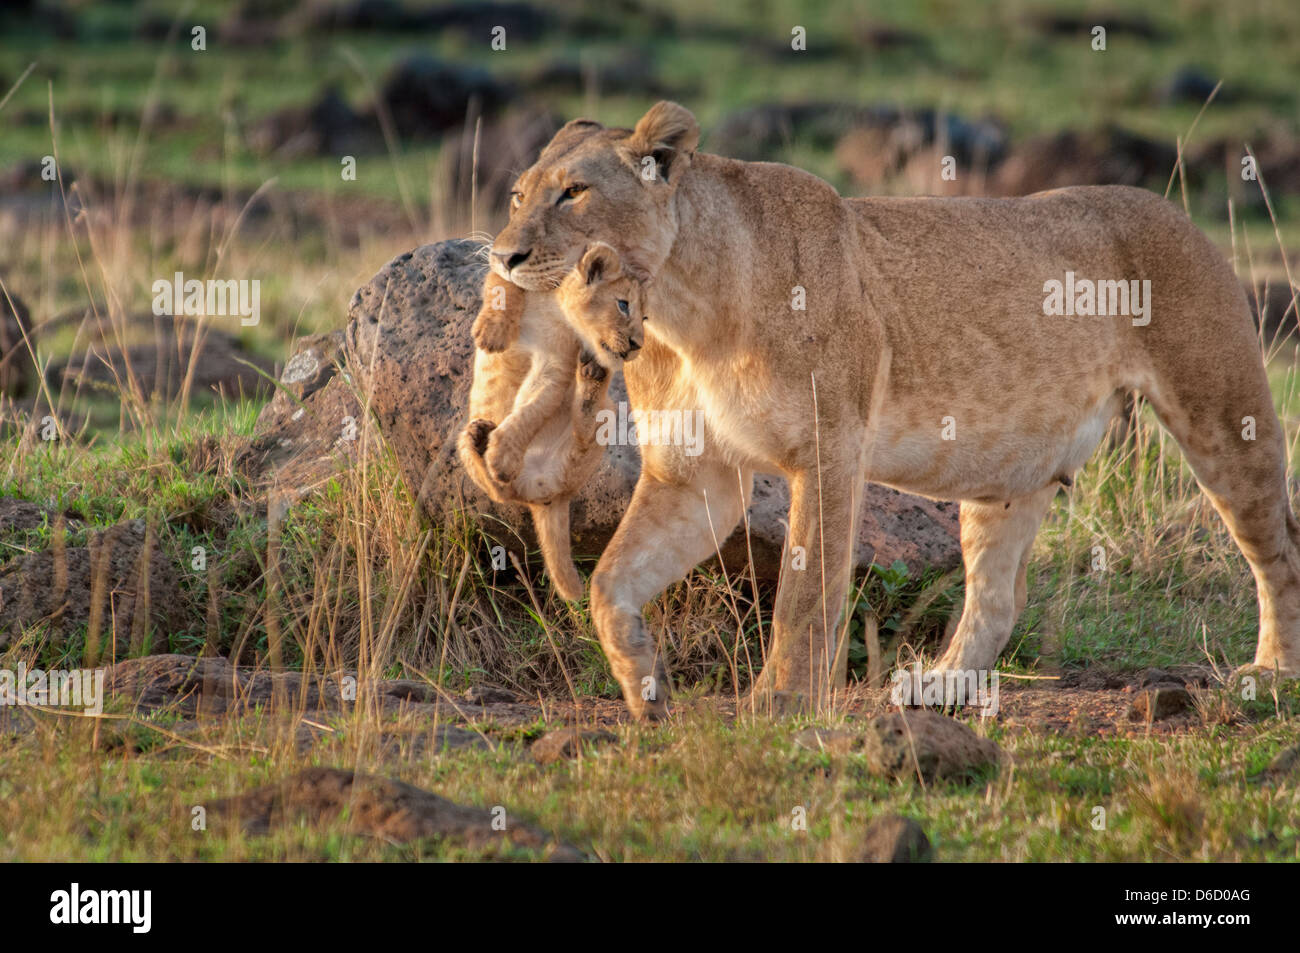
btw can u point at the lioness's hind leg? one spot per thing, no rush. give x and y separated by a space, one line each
1237 452
995 543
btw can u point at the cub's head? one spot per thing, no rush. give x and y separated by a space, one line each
593 184
605 305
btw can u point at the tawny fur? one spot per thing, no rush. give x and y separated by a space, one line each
916 310
537 392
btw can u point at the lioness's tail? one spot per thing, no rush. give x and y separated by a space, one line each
551 521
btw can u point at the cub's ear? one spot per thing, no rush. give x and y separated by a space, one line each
668 133
598 263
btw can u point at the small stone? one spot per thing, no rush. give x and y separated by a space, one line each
894 839
567 744
1161 701
925 743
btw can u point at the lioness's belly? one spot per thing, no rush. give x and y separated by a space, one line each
992 455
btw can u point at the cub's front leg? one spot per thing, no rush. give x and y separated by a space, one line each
497 324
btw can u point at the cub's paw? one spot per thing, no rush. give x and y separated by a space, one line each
503 461
589 368
493 332
476 434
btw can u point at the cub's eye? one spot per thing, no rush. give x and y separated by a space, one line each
622 307
572 192
516 198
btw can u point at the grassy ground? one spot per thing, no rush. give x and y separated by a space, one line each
701 788
357 581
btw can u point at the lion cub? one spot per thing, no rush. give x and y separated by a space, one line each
541 376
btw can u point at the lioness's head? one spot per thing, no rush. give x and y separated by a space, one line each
605 305
593 184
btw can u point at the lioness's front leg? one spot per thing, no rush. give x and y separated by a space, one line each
815 574
667 530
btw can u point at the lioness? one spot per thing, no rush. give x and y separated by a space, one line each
531 434
904 341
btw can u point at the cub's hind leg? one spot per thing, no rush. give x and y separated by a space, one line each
508 443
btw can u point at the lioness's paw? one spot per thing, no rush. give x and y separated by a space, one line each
492 332
1263 674
773 703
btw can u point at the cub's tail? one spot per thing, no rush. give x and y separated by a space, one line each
551 521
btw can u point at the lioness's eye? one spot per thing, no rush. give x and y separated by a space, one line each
516 198
572 192
622 306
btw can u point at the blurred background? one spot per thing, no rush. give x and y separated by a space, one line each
305 142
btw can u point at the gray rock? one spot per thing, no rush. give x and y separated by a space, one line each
314 424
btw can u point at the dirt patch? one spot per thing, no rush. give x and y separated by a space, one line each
213 361
212 686
1090 704
120 586
384 808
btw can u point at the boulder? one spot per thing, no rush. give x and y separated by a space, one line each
1108 156
312 426
327 126
409 356
764 131
425 96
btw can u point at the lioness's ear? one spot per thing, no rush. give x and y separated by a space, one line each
668 134
600 261
571 133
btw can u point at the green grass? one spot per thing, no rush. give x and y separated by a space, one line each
698 789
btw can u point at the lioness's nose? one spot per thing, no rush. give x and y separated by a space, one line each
634 345
512 259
